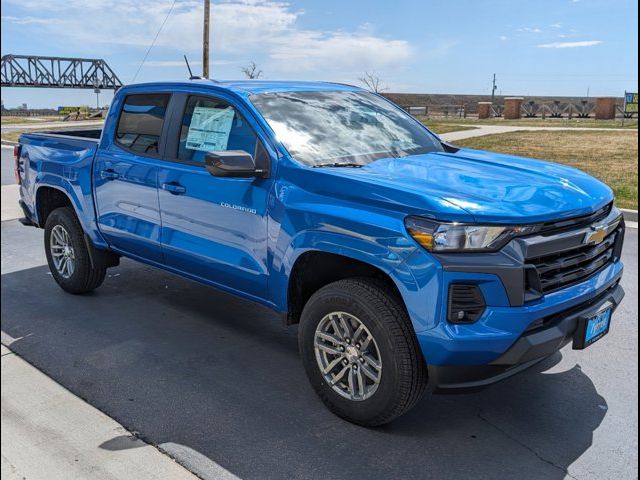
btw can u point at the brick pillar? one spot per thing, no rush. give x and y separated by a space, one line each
512 106
484 110
605 108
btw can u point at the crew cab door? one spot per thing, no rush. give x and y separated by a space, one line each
214 228
126 176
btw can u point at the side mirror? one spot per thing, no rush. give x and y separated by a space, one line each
232 163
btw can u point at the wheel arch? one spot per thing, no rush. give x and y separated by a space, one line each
314 269
48 198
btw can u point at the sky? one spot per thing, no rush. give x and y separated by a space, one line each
535 47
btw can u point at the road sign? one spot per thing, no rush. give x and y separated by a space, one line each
69 110
630 102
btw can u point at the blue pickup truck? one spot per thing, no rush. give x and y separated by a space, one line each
408 263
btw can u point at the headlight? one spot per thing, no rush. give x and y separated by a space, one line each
460 237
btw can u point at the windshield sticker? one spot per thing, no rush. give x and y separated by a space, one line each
209 129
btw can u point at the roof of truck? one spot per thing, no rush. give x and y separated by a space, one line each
258 86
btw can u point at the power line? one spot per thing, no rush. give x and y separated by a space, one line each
154 41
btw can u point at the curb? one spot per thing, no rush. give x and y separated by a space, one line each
629 215
9 143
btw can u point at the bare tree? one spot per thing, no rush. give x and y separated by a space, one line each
373 82
251 71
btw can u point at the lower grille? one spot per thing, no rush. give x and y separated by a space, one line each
560 270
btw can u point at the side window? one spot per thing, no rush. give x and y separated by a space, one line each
140 124
211 125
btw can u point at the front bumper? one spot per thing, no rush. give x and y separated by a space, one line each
545 338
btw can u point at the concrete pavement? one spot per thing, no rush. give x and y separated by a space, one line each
49 433
6 165
481 130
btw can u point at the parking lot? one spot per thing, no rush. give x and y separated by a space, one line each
216 383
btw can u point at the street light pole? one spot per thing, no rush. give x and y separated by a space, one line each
205 40
493 89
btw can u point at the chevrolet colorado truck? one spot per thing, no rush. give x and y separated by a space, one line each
408 263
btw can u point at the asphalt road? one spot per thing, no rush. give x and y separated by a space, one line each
211 378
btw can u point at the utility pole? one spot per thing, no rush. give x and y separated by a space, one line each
493 89
205 40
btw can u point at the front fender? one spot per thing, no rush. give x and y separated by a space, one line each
398 263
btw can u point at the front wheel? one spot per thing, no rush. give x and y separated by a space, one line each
68 255
360 353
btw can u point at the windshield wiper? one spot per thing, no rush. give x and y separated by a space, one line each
336 164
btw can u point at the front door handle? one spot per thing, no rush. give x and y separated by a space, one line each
174 188
109 174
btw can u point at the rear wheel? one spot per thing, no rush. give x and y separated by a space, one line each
360 352
68 255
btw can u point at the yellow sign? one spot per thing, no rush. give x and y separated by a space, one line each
630 102
69 110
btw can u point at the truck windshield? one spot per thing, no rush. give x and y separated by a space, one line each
330 128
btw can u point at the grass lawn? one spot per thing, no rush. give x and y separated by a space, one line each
439 127
610 156
13 135
20 120
629 123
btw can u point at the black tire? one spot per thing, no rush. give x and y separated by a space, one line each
403 377
85 277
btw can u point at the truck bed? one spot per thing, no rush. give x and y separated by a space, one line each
61 160
92 133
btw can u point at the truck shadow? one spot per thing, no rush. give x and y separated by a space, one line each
186 365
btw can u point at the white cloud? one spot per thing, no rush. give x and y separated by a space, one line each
247 29
502 37
586 43
29 20
529 30
311 49
169 63
556 25
181 63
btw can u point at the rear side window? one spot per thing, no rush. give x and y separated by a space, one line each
141 120
211 125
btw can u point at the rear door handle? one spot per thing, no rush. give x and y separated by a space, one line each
109 175
174 188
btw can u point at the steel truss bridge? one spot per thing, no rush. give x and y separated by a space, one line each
57 72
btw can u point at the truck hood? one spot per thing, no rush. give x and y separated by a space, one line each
490 187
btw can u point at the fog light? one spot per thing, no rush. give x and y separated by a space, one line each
466 303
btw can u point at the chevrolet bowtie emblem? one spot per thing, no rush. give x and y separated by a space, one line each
596 235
